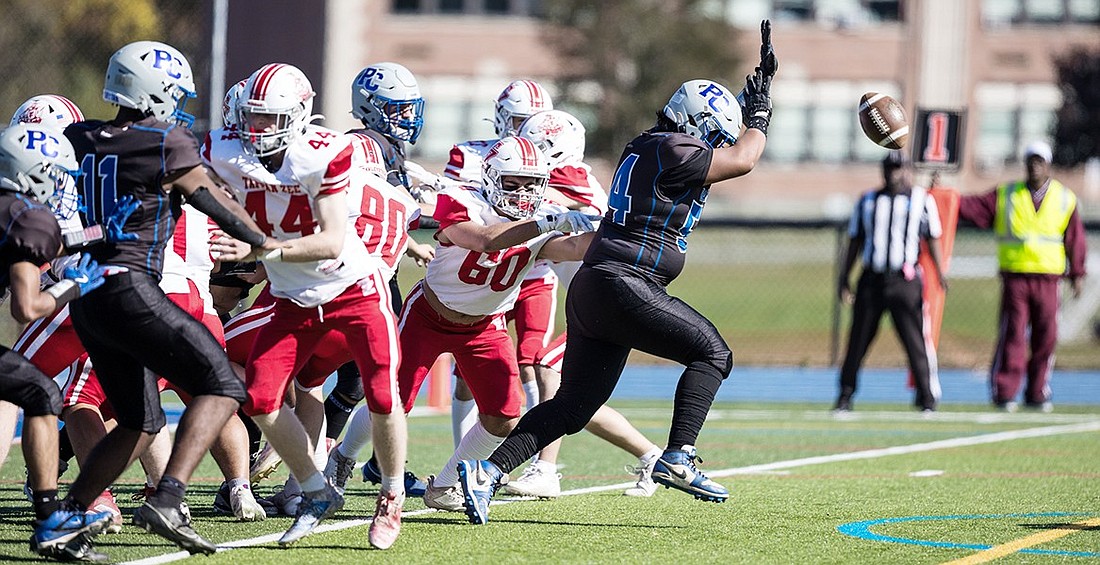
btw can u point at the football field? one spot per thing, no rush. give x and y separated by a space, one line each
883 485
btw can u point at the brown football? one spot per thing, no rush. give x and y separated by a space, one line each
883 120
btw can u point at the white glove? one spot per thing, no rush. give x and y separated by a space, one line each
572 221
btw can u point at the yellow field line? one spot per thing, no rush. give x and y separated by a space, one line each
1004 549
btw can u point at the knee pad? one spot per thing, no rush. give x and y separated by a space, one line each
349 384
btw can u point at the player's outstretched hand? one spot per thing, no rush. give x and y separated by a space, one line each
117 219
225 248
572 221
758 100
768 62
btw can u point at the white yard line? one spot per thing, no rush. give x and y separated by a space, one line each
751 469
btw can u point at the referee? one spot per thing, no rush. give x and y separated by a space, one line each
885 231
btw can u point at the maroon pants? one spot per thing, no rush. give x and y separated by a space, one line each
1027 302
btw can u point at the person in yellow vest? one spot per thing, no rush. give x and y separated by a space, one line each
1040 239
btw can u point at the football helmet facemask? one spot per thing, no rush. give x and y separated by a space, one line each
386 98
559 135
705 110
36 160
279 98
47 109
152 77
517 102
509 158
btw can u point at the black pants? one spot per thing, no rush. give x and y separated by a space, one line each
876 294
23 385
608 315
133 333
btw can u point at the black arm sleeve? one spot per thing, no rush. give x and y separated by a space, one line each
205 202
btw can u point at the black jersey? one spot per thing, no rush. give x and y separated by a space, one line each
28 232
116 161
655 200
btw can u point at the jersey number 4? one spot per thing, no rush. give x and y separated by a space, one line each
298 218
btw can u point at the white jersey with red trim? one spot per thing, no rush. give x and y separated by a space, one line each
318 163
470 282
187 256
576 182
385 212
464 162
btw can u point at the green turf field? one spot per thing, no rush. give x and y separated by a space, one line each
943 488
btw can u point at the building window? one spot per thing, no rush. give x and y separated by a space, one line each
526 8
1009 117
847 13
1003 13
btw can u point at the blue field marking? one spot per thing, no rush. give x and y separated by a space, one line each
862 530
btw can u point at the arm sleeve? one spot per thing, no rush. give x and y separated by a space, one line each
1075 245
205 202
979 209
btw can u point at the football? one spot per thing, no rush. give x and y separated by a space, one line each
883 120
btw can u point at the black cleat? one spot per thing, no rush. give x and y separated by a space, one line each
172 523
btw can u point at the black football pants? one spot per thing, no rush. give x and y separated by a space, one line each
609 314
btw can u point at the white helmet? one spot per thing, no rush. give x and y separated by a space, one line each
515 157
229 104
559 135
705 110
36 160
152 77
47 109
520 100
278 90
386 98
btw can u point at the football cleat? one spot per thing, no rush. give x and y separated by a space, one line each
238 501
144 493
339 468
264 464
105 502
479 481
386 524
534 482
373 474
282 503
172 523
676 469
315 506
447 498
644 486
66 534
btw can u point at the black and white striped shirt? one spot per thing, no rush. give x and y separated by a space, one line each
892 226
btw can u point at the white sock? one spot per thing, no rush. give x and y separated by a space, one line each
356 434
647 457
478 443
463 417
395 485
313 483
531 391
546 466
320 454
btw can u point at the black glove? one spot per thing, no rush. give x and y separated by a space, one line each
758 101
768 63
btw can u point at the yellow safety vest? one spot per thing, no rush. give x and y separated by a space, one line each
1030 240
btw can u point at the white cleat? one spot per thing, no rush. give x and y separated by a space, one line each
644 486
266 462
534 482
447 498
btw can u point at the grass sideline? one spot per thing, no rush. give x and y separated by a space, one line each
783 508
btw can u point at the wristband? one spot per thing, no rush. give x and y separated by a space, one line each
77 240
64 292
273 256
